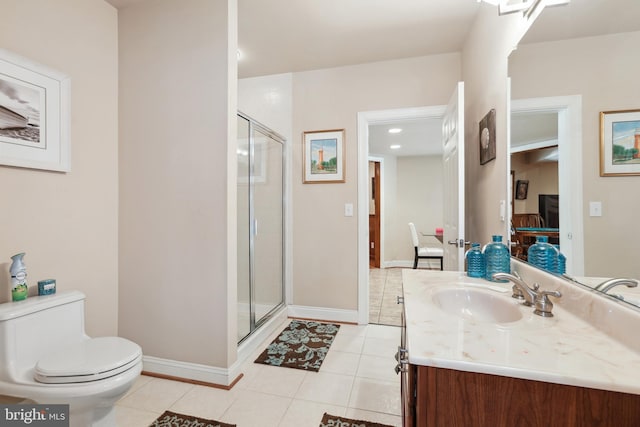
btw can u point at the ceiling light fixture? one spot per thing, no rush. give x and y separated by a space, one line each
395 130
525 6
395 146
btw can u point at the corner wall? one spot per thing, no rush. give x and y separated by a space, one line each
177 205
484 71
67 223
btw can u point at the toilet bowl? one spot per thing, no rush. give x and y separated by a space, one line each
46 357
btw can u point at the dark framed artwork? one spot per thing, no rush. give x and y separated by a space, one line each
488 137
522 188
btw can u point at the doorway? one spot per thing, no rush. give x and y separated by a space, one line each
569 140
365 121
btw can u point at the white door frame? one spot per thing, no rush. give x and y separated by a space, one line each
569 109
365 119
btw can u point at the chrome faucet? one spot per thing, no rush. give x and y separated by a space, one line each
539 299
608 284
521 290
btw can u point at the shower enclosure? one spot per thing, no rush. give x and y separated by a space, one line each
260 224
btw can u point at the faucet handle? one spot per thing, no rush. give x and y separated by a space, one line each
543 305
517 293
555 293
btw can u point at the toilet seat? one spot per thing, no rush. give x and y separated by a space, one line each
89 360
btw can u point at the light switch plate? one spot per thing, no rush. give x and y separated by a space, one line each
595 208
348 209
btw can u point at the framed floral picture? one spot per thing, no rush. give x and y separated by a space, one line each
323 156
620 143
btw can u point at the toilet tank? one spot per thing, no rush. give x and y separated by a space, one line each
35 326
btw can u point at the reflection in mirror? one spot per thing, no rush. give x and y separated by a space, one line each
581 50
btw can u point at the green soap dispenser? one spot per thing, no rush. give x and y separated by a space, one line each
19 289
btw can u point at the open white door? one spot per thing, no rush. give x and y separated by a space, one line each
453 159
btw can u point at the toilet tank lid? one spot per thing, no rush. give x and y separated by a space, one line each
13 310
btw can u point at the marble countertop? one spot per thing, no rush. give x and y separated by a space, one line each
564 349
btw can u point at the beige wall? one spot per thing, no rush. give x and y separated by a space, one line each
67 223
177 207
325 270
419 200
604 71
484 71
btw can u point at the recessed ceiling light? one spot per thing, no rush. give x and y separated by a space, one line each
395 146
395 130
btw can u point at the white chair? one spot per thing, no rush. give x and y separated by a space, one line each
424 252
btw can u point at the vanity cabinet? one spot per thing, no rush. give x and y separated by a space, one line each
532 371
437 397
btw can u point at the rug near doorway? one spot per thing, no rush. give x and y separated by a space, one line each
173 419
333 421
301 345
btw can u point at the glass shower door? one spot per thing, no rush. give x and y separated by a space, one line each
260 225
244 228
267 212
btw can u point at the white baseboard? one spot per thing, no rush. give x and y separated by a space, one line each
397 264
187 370
321 313
213 374
433 264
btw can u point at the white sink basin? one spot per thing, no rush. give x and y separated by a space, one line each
477 305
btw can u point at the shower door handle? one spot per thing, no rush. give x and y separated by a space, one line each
255 227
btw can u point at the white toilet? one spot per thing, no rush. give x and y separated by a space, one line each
46 357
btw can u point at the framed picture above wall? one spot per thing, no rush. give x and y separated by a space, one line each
323 156
620 143
34 115
488 137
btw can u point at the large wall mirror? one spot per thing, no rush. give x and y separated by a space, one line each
575 62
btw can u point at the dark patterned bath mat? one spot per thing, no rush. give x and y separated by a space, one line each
333 421
302 345
172 419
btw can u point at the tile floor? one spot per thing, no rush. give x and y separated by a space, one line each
356 380
385 285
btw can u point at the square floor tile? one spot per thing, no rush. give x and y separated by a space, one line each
321 387
376 395
253 409
340 362
132 417
352 330
380 346
376 367
205 402
156 395
380 331
277 380
347 343
302 413
376 417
